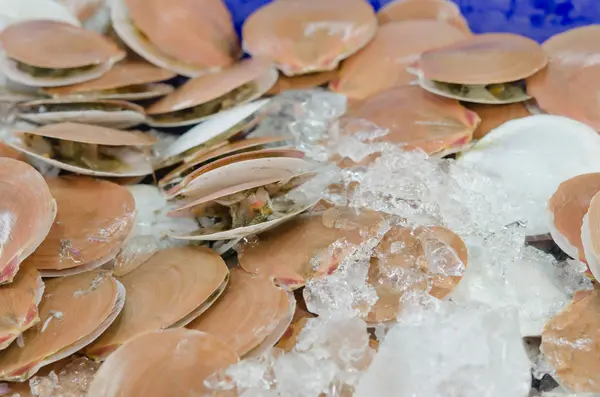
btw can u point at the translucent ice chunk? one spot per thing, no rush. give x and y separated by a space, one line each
450 350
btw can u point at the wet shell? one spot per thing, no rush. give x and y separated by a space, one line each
171 289
493 116
250 310
26 215
240 168
128 114
302 82
590 236
13 11
569 344
19 308
418 272
73 312
94 219
382 63
55 45
210 87
123 74
305 36
484 59
568 86
415 119
439 10
189 37
175 362
299 250
203 157
290 337
567 207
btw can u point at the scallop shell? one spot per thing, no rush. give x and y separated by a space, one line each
74 311
210 87
305 36
382 63
156 365
569 344
490 58
26 215
19 309
590 236
130 116
493 116
190 37
180 283
55 44
123 74
301 82
249 312
438 10
413 118
94 219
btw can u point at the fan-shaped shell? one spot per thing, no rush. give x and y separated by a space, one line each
493 116
171 289
94 219
438 10
19 302
484 59
249 311
415 119
73 311
27 210
175 362
189 37
382 63
304 36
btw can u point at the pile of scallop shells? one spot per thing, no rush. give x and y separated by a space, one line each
155 229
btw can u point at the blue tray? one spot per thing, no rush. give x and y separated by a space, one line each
538 19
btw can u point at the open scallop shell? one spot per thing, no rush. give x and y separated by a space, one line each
526 155
174 362
570 345
190 38
94 219
138 77
305 36
179 282
127 145
13 11
382 63
251 309
19 308
590 236
417 271
493 116
413 118
55 45
220 127
205 157
74 311
298 250
566 209
239 169
27 211
439 10
125 114
208 88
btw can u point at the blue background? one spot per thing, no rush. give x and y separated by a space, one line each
538 19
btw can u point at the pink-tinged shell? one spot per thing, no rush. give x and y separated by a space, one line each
304 36
199 33
27 210
54 44
437 10
382 63
569 85
414 118
490 58
493 116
